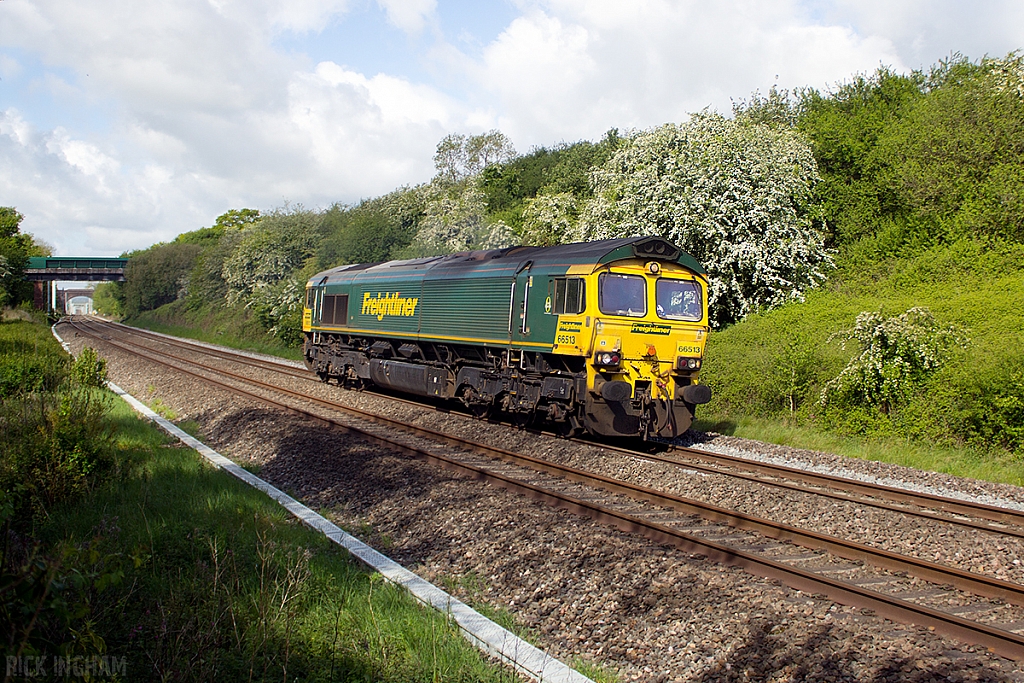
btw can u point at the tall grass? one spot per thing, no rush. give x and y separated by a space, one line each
220 583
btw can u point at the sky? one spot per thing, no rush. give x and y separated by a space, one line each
126 122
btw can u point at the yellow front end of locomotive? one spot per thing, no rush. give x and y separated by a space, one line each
650 328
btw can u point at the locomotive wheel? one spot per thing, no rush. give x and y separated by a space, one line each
478 409
482 411
569 429
521 420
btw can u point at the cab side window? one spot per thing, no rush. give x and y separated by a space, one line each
568 295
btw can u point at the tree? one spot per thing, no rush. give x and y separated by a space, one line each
39 247
896 355
455 220
157 276
734 194
106 298
4 272
234 220
849 131
562 171
205 281
373 230
269 252
459 156
549 218
15 249
958 153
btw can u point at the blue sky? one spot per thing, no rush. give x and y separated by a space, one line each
126 122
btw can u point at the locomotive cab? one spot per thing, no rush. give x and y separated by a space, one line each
650 328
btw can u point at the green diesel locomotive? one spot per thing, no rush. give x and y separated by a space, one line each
605 336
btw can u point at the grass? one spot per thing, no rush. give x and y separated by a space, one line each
196 576
965 418
965 461
163 410
223 325
599 673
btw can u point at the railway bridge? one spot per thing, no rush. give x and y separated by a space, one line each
53 269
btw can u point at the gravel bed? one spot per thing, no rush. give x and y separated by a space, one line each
585 593
981 552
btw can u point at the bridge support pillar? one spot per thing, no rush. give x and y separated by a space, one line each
39 295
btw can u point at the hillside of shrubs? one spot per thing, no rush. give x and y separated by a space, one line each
865 245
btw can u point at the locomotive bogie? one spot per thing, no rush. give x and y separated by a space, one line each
605 336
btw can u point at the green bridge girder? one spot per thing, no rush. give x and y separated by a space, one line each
75 263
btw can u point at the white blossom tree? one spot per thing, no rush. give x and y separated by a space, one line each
462 156
736 194
270 251
895 355
4 272
455 220
549 218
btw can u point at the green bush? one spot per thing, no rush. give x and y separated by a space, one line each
55 440
89 370
55 446
51 597
26 368
157 276
775 364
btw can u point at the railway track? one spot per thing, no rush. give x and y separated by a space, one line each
958 512
896 586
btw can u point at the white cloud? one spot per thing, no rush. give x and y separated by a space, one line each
9 68
83 201
409 15
924 31
358 131
202 112
569 68
211 117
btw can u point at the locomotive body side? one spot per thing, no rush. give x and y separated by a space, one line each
604 336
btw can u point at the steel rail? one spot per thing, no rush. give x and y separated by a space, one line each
1004 642
235 357
835 483
952 505
924 501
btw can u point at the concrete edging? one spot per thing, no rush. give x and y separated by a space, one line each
476 628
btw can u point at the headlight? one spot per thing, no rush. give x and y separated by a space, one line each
684 363
606 358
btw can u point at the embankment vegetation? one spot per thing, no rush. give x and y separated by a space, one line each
864 245
128 557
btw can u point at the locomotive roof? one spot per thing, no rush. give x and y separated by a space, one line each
598 252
